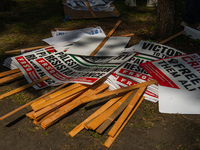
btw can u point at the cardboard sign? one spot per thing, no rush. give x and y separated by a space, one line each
116 82
30 70
63 67
86 14
179 79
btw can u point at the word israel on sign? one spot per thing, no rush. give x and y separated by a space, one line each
179 80
64 67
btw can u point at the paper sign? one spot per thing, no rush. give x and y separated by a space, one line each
180 74
30 70
64 67
87 44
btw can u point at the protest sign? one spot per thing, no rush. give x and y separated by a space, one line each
68 37
179 80
79 32
30 70
115 81
63 67
86 45
97 5
146 51
156 50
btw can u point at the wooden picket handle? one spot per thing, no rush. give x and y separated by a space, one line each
71 105
9 72
80 127
117 91
48 109
11 77
60 97
102 117
26 49
55 94
110 139
127 111
117 112
171 37
106 38
23 87
27 104
90 9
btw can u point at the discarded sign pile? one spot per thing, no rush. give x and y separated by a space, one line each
99 74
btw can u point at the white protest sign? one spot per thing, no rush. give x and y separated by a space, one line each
156 50
64 67
87 44
116 82
69 37
30 70
179 79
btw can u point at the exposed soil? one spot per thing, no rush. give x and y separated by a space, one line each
148 129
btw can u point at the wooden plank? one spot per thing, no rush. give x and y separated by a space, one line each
9 72
29 103
117 112
53 107
171 37
117 91
110 139
23 87
90 9
126 112
60 97
25 49
106 38
102 117
71 105
11 77
78 128
55 94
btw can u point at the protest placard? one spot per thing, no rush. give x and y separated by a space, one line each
116 82
179 80
63 67
30 70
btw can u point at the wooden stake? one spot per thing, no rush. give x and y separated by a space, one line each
60 97
90 9
23 87
9 72
71 105
57 93
102 117
126 112
115 114
117 91
78 128
110 139
27 104
106 38
46 110
11 77
26 49
171 37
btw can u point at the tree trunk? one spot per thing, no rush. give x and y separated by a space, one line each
165 18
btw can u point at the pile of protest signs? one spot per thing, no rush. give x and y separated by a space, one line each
125 76
87 9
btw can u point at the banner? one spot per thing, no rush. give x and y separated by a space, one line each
179 80
63 67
